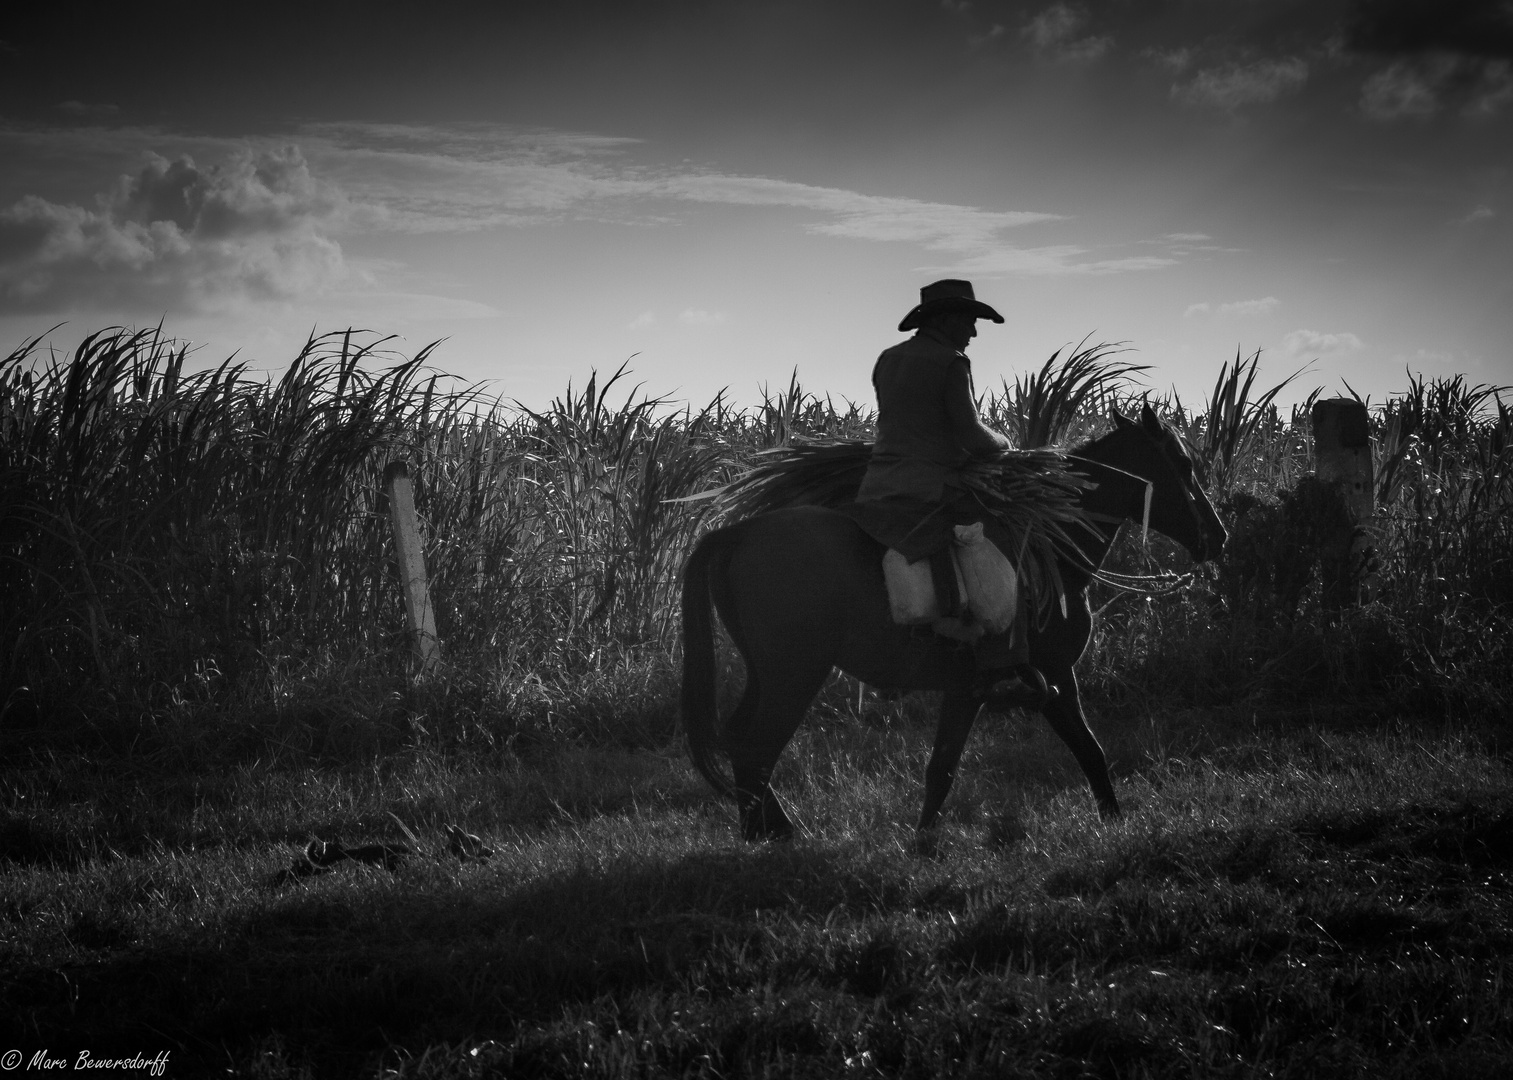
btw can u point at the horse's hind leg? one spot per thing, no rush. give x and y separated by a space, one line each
769 712
957 712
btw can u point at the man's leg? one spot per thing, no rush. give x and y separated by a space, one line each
1004 673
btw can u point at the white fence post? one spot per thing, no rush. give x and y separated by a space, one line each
425 645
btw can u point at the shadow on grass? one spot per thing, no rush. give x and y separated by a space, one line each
1271 933
340 974
1237 945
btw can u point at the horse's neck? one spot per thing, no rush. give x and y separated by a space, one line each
1100 534
1107 506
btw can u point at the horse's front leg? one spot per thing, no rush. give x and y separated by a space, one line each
1064 711
957 712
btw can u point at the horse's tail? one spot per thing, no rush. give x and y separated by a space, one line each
700 712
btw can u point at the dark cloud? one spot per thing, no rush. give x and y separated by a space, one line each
176 236
1427 85
1480 28
1446 56
1058 32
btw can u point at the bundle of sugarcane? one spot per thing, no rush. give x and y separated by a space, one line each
818 473
1029 493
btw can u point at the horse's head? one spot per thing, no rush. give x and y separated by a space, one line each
1179 506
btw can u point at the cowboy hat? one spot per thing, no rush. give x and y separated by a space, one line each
952 294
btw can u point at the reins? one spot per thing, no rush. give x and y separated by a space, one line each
1163 584
1154 585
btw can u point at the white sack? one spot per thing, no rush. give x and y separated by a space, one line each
911 590
991 582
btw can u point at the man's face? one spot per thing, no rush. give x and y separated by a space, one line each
959 327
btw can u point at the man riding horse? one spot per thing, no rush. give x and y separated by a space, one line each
912 496
801 576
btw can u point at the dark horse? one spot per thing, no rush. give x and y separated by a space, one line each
801 592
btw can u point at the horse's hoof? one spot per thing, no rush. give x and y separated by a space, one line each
927 842
763 827
769 835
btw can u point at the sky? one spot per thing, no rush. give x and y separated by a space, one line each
720 194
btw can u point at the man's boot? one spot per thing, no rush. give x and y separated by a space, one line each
1006 678
1025 689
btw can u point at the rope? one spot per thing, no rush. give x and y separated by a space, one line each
1125 584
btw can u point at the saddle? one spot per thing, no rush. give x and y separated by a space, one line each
968 590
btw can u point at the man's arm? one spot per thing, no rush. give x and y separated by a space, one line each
975 436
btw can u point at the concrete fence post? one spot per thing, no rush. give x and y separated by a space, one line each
1342 459
425 645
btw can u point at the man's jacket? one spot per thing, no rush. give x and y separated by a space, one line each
927 423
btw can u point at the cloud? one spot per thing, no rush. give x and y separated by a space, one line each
439 179
853 214
1055 33
935 225
264 225
1404 89
646 318
420 179
1445 55
699 317
175 236
1242 308
1052 261
1185 239
1235 85
1312 343
1264 306
1423 86
1493 90
1063 260
995 32
1054 26
1175 60
383 306
466 177
1183 245
1422 358
103 111
1481 213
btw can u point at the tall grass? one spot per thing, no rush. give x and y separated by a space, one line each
1065 400
174 536
160 524
1444 486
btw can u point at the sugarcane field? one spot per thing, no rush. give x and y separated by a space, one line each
251 822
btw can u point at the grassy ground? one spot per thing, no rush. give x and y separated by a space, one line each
1285 897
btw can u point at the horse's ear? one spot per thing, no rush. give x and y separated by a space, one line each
1122 421
1148 418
